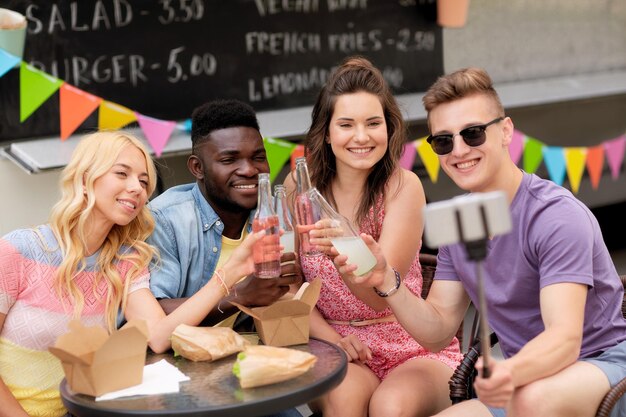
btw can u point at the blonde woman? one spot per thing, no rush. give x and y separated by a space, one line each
89 262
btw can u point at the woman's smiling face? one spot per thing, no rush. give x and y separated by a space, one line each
358 131
123 190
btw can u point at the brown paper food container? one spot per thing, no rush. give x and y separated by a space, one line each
264 365
286 322
206 343
96 363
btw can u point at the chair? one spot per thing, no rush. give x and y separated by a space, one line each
461 383
429 265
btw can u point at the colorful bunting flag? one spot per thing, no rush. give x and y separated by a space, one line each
516 146
185 126
278 153
595 162
7 61
112 116
157 131
429 158
298 152
614 149
575 163
555 162
532 154
408 156
74 107
35 88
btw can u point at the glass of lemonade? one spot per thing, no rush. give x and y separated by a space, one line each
284 218
343 235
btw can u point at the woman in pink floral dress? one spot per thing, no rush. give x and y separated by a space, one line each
353 146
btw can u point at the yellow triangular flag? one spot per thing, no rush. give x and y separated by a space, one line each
429 158
112 116
575 165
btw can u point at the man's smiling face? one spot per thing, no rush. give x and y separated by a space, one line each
231 160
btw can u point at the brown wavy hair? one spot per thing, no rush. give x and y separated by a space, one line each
92 158
355 74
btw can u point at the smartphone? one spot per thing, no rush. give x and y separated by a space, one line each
466 218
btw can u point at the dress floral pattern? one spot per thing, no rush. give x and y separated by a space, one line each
390 344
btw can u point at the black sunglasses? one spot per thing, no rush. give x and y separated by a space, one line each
473 136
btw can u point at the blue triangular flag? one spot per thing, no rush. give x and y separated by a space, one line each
185 125
555 162
7 61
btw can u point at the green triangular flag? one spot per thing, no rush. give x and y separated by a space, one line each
35 88
278 153
532 154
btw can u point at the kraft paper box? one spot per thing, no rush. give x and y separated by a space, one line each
96 363
286 322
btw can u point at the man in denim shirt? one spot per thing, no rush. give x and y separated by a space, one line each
199 224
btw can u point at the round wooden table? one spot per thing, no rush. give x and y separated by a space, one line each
213 390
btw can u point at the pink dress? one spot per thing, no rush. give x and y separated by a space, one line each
390 344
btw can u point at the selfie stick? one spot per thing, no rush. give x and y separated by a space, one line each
477 252
470 219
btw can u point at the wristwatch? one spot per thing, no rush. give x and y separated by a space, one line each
393 290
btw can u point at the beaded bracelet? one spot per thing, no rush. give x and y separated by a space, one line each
393 289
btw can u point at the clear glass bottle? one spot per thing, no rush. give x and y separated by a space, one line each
284 218
266 252
344 237
306 213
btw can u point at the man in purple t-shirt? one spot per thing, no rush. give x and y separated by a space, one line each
553 293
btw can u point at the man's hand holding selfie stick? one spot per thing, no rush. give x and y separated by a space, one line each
470 219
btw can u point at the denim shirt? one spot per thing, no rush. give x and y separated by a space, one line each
188 235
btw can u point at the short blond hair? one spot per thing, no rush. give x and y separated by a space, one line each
460 84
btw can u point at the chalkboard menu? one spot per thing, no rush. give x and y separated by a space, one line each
162 58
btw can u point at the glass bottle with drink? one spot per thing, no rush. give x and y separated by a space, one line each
266 252
306 213
284 218
343 235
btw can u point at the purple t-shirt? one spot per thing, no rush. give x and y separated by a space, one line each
555 239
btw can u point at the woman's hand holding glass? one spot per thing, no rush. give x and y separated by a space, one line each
321 235
381 275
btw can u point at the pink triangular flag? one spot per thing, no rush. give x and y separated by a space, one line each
408 156
614 151
516 146
157 131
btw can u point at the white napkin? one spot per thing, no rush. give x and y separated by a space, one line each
158 378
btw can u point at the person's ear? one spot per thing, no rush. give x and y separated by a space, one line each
194 165
85 183
507 131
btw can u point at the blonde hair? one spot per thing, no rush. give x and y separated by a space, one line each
92 158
